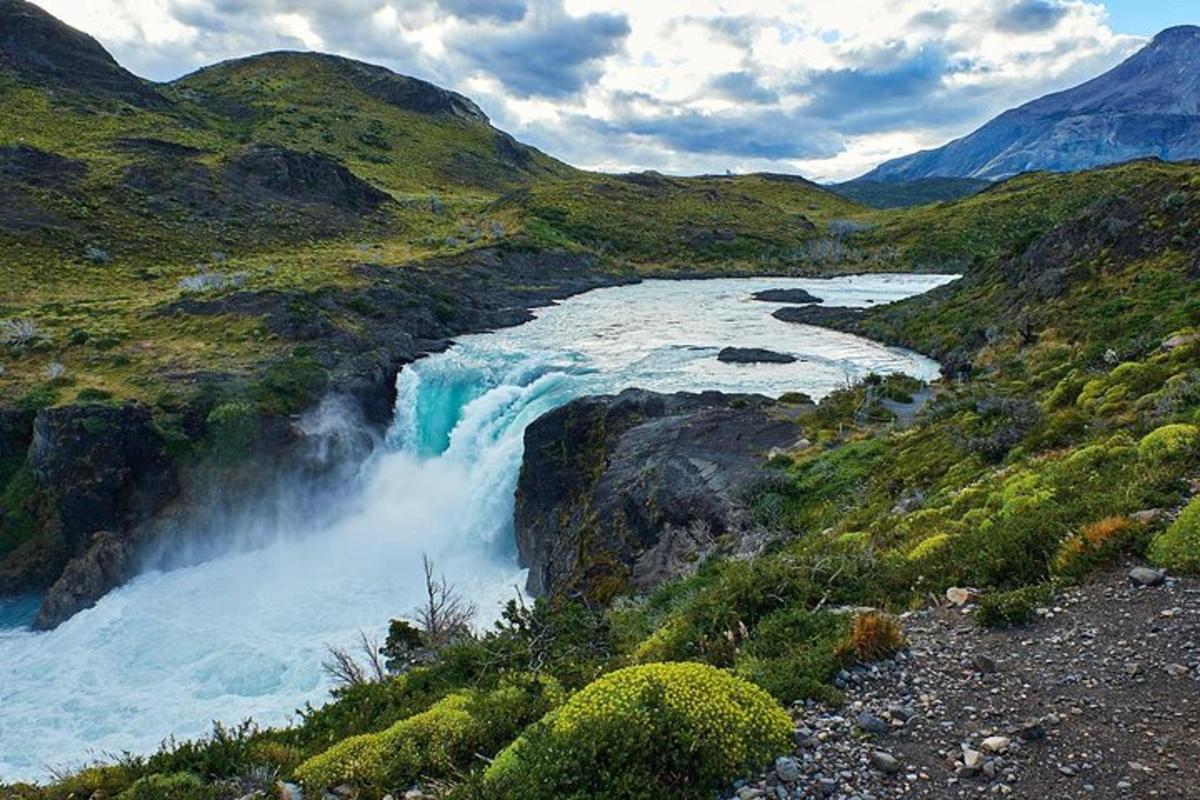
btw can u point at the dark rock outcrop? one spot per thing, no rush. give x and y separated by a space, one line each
28 176
634 489
799 296
754 355
105 565
273 174
36 47
103 468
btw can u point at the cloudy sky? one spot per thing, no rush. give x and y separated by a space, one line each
826 88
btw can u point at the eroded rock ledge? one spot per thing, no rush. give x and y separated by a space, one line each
631 490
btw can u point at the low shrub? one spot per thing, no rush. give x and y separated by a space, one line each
927 548
230 430
434 743
170 786
1093 546
793 653
658 731
1178 547
873 636
1016 607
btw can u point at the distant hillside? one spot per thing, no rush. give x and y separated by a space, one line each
1147 106
904 194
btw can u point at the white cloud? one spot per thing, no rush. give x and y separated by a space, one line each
826 87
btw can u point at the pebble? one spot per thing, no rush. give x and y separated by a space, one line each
885 762
995 744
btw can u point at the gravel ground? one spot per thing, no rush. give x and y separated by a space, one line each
1098 698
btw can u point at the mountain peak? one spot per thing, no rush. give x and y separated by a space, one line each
38 48
1146 107
1178 35
381 83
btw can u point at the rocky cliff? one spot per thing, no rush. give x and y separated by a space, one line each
149 476
631 490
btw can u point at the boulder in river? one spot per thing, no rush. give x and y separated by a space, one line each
797 296
631 490
754 355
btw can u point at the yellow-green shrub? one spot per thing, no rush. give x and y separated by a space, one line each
433 743
1178 547
663 731
1170 443
929 547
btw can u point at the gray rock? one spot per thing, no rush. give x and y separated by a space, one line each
995 744
754 355
787 769
1145 576
870 723
105 565
982 663
799 296
588 460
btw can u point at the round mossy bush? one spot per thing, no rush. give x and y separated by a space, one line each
1170 444
1178 547
658 731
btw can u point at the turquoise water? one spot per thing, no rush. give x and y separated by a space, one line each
244 634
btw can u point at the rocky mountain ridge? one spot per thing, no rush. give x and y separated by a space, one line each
1149 105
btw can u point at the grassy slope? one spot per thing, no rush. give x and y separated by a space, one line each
456 184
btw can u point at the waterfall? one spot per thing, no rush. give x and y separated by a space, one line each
243 634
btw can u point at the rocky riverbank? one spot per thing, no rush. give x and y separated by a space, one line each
1097 698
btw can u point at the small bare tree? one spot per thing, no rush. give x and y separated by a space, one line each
445 614
344 668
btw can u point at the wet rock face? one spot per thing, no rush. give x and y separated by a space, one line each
103 468
105 565
635 489
16 429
